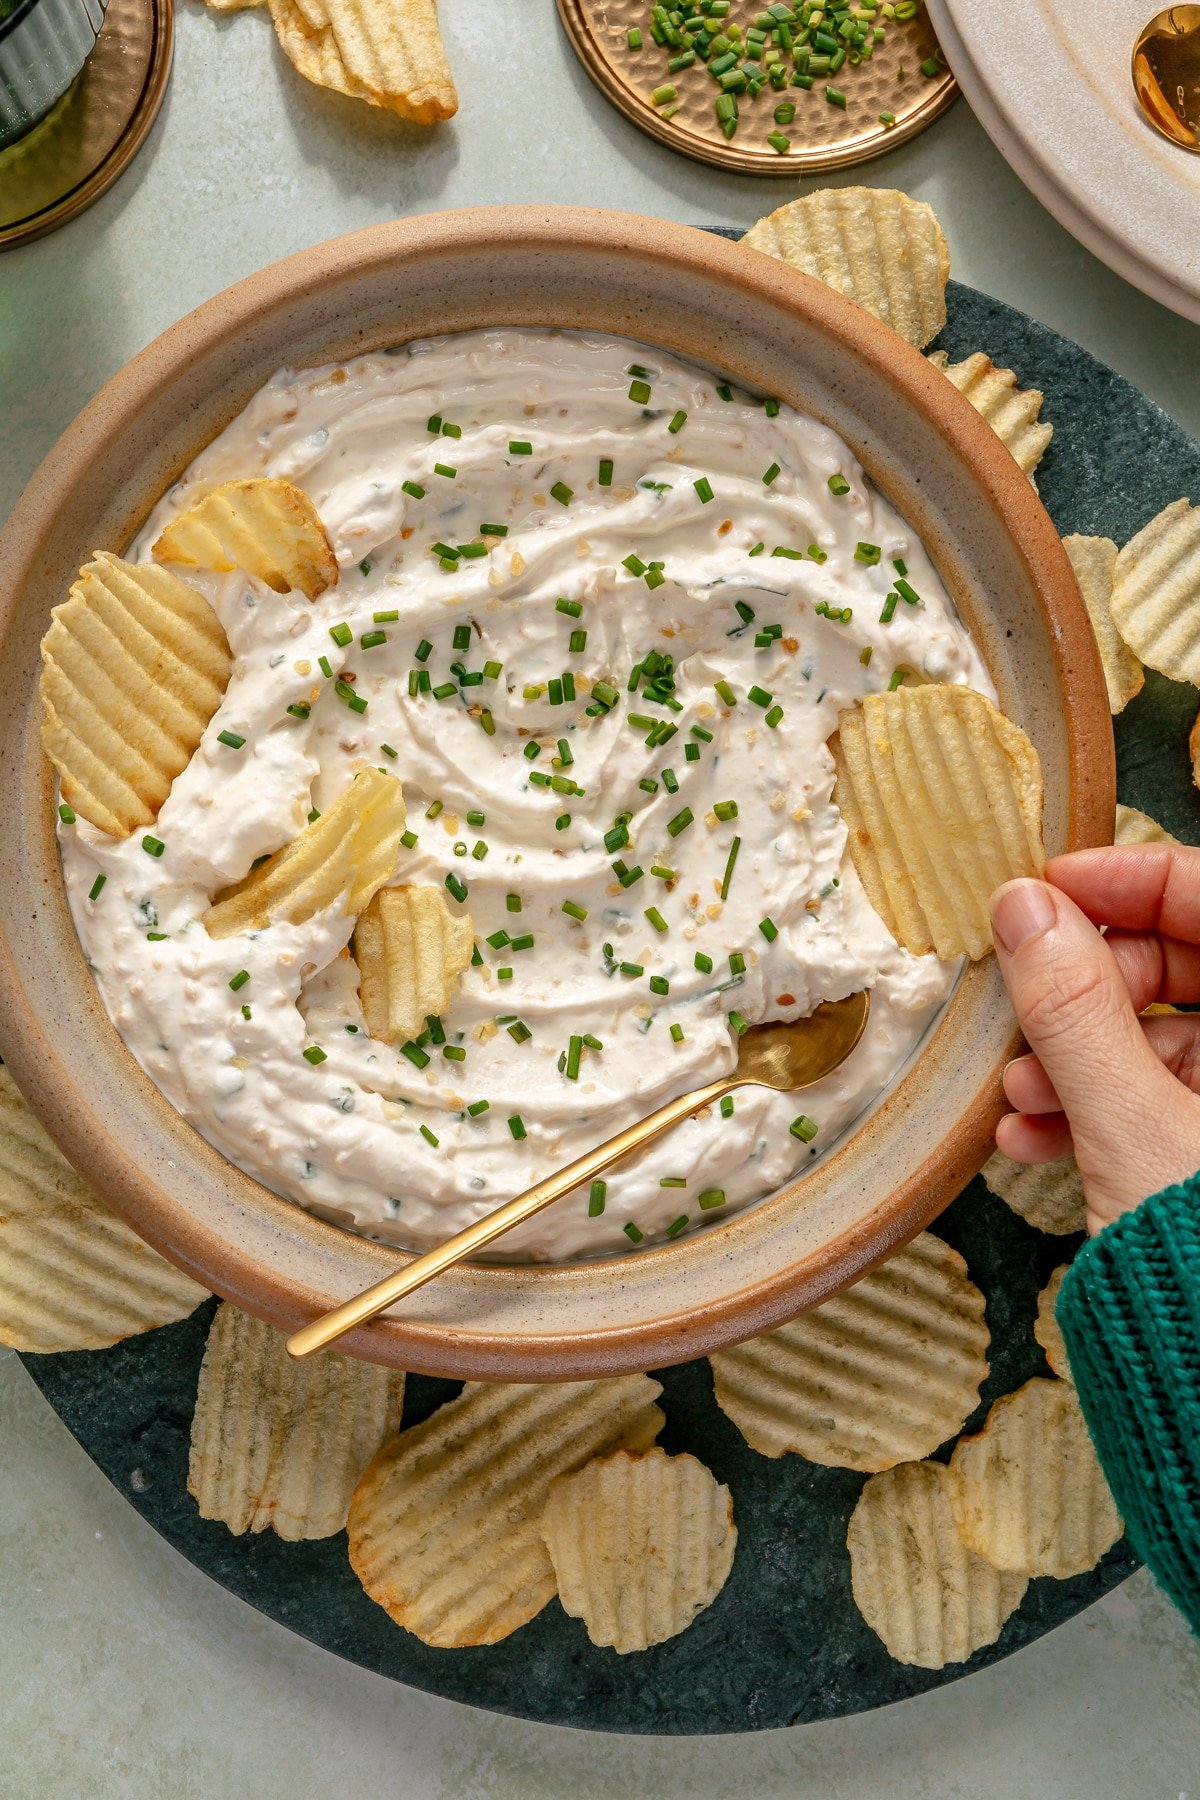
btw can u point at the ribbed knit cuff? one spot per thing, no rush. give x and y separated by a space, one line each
1129 1309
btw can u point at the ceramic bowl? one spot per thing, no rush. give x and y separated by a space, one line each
770 329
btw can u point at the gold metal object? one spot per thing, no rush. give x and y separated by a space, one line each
781 1056
1166 74
823 136
83 144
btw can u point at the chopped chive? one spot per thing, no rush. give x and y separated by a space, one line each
727 1107
517 1126
479 851
574 1053
66 814
632 1233
428 1136
738 1023
232 739
729 865
239 980
896 681
677 1033
691 752
662 96
634 564
771 474
737 963
314 1054
633 970
454 1052
520 447
778 142
907 592
513 903
837 484
493 530
678 422
524 942
300 709
670 781
659 984
457 888
371 639
478 1106
353 699
834 95
153 846
476 818
704 488
519 1032
725 692
341 634
639 391
656 919
774 714
415 1054
597 1198
709 1198
804 1128
725 391
366 565
726 809
680 822
605 473
157 937
562 493
325 666
864 655
445 469
414 488
759 696
605 693
769 929
462 637
574 911
889 609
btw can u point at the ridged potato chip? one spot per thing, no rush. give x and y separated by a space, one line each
411 950
1134 827
1046 1328
445 1524
1012 412
1048 1196
641 1542
281 1443
269 528
875 245
942 799
1156 593
1094 560
1028 1491
880 1374
929 1599
134 665
350 851
388 54
72 1276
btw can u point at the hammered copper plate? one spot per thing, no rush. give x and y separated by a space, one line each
83 144
823 136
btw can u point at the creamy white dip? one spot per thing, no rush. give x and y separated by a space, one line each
368 1137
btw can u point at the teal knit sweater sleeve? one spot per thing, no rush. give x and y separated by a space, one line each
1129 1309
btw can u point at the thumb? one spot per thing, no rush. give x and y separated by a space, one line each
1134 1127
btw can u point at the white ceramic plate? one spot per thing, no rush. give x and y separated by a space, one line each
1050 85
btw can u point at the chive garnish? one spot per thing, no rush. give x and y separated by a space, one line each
66 814
896 681
659 984
738 1023
804 1128
428 1136
415 1054
726 809
774 714
493 530
520 447
413 488
478 1106
516 1125
656 919
709 1198
769 929
574 1053
639 391
325 666
729 864
445 469
680 822
837 484
759 696
314 1054
867 553
632 1233
889 609
725 692
572 608
454 1053
457 888
371 639
703 487
574 911
153 846
239 980
597 1198
341 634
562 493
605 474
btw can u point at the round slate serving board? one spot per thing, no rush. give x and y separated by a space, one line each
783 1643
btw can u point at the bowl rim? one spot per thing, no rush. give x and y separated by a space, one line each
850 1252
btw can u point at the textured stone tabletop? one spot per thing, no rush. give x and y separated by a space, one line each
124 1671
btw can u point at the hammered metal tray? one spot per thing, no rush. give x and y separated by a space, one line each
822 136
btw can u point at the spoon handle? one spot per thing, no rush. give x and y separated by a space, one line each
415 1274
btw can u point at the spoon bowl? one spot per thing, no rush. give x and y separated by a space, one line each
784 1055
1166 74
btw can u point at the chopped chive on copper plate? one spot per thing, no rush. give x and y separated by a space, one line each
876 103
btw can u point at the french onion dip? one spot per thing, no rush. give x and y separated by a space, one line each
599 612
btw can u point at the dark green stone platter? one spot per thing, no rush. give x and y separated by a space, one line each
783 1643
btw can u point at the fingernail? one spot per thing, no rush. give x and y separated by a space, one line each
1020 911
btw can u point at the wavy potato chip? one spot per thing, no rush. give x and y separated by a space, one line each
1134 827
350 851
386 52
1094 560
641 1543
1048 1196
1012 412
445 1524
880 1374
281 1443
875 245
269 528
411 950
942 799
1046 1328
134 665
929 1599
1028 1491
1156 593
72 1275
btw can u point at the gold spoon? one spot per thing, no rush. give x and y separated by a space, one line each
780 1056
1166 74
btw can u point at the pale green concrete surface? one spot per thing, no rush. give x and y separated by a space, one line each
124 1673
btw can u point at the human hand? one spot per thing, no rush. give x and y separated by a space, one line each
1120 1092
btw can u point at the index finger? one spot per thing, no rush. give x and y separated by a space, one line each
1137 887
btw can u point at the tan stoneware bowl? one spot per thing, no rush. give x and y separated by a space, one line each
774 331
